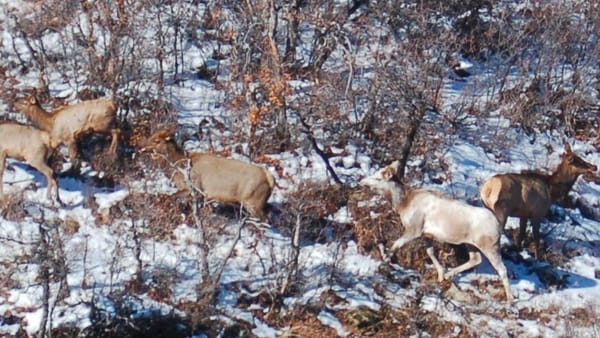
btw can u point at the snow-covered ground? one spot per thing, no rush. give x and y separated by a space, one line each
101 258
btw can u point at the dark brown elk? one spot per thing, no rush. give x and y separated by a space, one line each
528 195
431 214
218 178
34 146
68 123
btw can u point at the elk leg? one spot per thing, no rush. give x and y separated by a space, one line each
474 260
501 216
535 229
522 232
2 164
408 236
114 141
52 186
495 260
257 212
73 154
436 264
399 243
255 204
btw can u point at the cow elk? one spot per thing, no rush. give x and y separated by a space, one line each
528 195
68 123
431 214
218 178
34 146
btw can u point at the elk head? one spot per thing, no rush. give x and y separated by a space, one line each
162 144
25 103
576 164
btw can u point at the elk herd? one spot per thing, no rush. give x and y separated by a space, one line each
423 212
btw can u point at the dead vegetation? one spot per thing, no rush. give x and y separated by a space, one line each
160 212
12 206
313 203
388 322
375 221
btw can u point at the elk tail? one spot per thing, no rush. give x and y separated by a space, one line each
270 179
488 194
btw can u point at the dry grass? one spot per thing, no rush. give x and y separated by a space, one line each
161 212
388 322
375 222
12 206
312 203
304 323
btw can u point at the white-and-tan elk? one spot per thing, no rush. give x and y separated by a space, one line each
68 123
431 214
218 178
34 146
529 195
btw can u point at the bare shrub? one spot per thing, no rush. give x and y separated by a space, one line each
375 221
409 321
53 268
304 323
125 321
311 203
98 49
556 65
583 317
160 284
12 206
161 213
202 320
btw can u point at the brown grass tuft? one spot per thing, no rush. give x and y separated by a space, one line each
313 203
70 226
162 212
12 206
375 222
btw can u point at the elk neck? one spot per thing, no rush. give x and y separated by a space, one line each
393 193
172 156
562 180
39 117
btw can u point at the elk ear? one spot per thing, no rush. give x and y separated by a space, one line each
391 170
568 148
165 133
394 167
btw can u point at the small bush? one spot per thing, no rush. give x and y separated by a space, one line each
313 203
162 212
375 221
12 206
